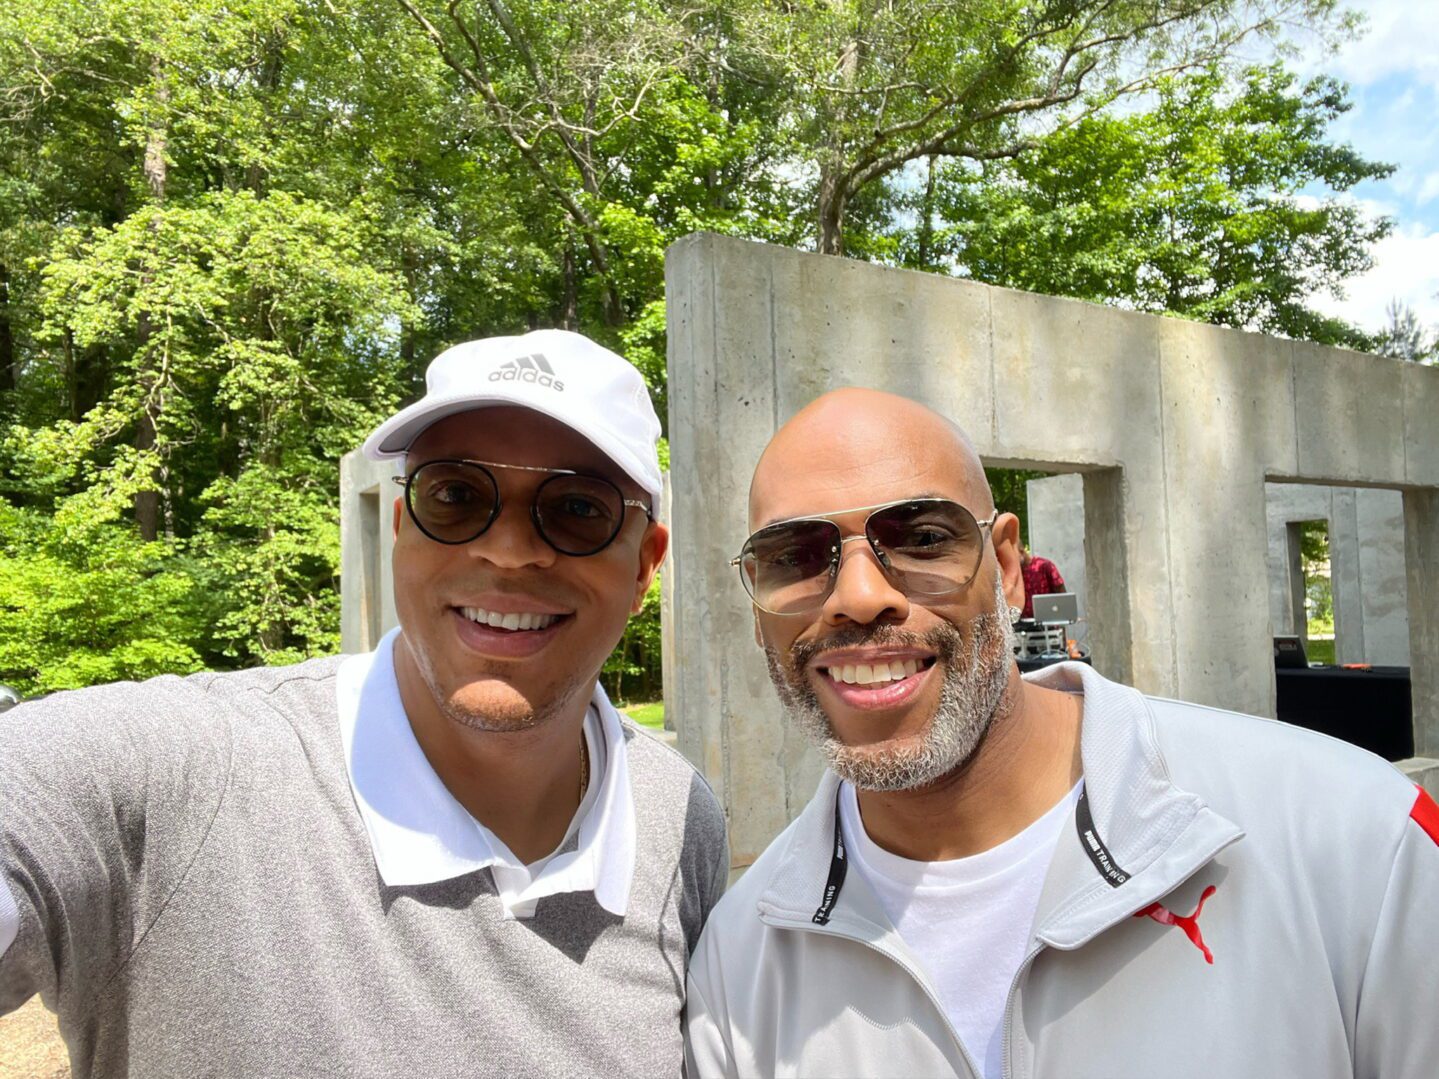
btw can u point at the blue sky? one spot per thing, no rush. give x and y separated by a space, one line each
1393 75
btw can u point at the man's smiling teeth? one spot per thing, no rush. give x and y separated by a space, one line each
873 674
508 621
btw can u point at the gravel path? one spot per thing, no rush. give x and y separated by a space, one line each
30 1045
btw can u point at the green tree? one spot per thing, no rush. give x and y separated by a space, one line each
233 234
1403 338
871 88
1199 207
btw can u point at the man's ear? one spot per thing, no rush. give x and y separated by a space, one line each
653 546
1005 536
399 513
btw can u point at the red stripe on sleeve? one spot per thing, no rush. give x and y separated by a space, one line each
1426 814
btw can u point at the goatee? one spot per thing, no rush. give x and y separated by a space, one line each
975 663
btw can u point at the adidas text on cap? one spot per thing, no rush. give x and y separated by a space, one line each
563 375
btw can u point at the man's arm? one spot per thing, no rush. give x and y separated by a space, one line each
707 1051
1396 1036
105 794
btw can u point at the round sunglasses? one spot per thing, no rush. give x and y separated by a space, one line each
926 546
454 501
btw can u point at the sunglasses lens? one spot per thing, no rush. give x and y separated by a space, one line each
786 567
579 515
451 501
932 547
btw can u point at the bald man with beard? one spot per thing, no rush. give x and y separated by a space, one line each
1046 876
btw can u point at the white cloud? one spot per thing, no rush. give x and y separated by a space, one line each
1406 268
1399 40
1428 189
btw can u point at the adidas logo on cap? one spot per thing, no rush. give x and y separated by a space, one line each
532 368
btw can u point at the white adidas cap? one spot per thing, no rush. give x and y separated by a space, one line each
563 375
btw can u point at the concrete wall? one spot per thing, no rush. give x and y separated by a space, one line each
1175 428
367 602
1366 537
1366 567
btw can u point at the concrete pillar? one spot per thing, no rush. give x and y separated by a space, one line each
723 410
1382 589
1056 405
1106 564
367 601
1421 557
1228 421
667 596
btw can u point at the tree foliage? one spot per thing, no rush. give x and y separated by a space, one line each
1199 206
1404 338
233 234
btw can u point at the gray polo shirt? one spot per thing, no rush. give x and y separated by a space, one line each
197 895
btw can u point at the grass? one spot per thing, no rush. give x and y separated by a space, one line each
1318 650
647 714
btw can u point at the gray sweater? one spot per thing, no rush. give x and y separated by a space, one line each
197 897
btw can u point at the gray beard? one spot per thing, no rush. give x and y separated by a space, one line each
976 663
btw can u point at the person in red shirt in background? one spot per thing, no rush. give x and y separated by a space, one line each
1041 577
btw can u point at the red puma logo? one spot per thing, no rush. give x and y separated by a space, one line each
1188 923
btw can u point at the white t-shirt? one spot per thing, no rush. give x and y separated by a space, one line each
967 920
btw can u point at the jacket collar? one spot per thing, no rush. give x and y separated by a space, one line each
1157 833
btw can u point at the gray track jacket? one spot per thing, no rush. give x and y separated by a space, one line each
1319 868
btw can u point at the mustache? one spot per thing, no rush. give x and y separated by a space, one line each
943 640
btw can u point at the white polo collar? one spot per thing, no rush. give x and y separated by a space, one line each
420 834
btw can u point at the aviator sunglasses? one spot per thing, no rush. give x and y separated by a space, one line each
926 546
455 501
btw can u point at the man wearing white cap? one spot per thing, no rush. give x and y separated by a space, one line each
446 857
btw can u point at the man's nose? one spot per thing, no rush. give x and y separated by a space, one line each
512 541
863 592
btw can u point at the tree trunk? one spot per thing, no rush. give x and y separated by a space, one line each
831 214
569 312
925 254
833 181
9 361
147 503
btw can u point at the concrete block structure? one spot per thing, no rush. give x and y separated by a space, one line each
1174 429
367 601
1366 554
1366 567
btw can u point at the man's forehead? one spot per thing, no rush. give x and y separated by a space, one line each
828 459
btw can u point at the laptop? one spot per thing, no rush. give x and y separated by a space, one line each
1056 609
1289 654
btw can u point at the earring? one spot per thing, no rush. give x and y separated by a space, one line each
1014 613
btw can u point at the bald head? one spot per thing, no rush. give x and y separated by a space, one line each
859 447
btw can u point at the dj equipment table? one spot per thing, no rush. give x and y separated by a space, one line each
1370 708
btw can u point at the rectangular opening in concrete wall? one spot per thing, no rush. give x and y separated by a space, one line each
1337 581
1050 508
1313 601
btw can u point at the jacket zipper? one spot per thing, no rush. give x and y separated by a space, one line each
806 927
1006 1066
